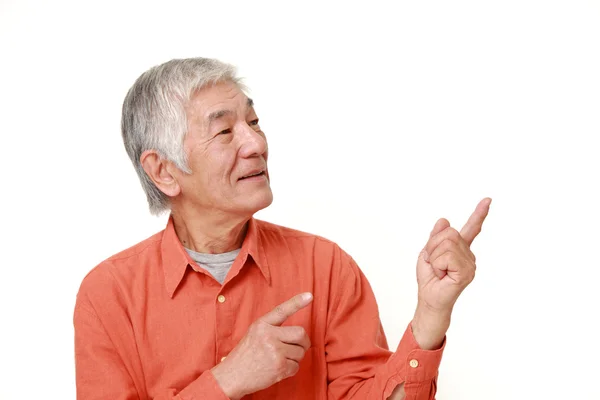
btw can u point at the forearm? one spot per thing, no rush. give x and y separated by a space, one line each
204 387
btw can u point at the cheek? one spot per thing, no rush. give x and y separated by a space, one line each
220 165
265 155
202 164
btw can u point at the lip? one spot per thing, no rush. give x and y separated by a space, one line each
253 172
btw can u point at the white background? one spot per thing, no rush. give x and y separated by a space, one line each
381 118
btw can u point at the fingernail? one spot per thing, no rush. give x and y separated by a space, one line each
306 296
425 256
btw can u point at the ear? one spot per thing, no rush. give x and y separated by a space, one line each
159 171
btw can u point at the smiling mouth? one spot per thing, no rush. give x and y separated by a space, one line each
252 175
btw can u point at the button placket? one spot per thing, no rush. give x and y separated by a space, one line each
224 325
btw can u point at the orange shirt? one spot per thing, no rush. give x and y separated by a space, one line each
150 324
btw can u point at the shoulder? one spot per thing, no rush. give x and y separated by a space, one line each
336 273
104 279
305 247
271 232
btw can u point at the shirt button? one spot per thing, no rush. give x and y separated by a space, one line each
221 298
413 363
223 358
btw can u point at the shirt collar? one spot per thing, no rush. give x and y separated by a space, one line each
175 259
253 245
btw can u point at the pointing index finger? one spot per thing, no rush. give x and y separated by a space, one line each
279 314
473 226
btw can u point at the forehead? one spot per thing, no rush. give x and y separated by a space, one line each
223 96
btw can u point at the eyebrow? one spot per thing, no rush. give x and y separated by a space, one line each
221 113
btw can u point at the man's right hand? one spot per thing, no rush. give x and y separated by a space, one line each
267 354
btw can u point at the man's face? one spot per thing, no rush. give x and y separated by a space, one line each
227 153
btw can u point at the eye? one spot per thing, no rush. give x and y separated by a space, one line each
225 131
254 122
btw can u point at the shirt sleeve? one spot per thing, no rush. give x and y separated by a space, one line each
104 369
359 364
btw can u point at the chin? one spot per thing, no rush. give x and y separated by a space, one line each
257 202
264 201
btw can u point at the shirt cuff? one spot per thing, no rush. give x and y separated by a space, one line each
411 364
203 388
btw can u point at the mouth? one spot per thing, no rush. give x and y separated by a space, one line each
253 174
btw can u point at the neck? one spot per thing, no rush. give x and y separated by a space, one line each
211 234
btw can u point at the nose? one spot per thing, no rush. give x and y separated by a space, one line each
253 143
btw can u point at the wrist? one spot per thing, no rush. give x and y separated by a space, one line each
429 327
227 382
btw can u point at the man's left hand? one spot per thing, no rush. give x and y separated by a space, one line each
444 269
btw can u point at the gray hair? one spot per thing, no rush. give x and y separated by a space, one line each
154 116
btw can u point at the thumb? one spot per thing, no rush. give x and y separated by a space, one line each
279 314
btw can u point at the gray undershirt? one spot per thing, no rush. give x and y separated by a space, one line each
218 265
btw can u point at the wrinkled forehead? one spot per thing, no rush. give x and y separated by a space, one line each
214 102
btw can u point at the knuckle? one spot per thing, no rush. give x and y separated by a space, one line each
302 353
300 332
469 278
271 345
265 349
293 369
260 329
279 310
453 233
280 365
447 244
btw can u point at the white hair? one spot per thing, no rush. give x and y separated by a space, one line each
154 116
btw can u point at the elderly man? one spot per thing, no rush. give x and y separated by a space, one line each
220 305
